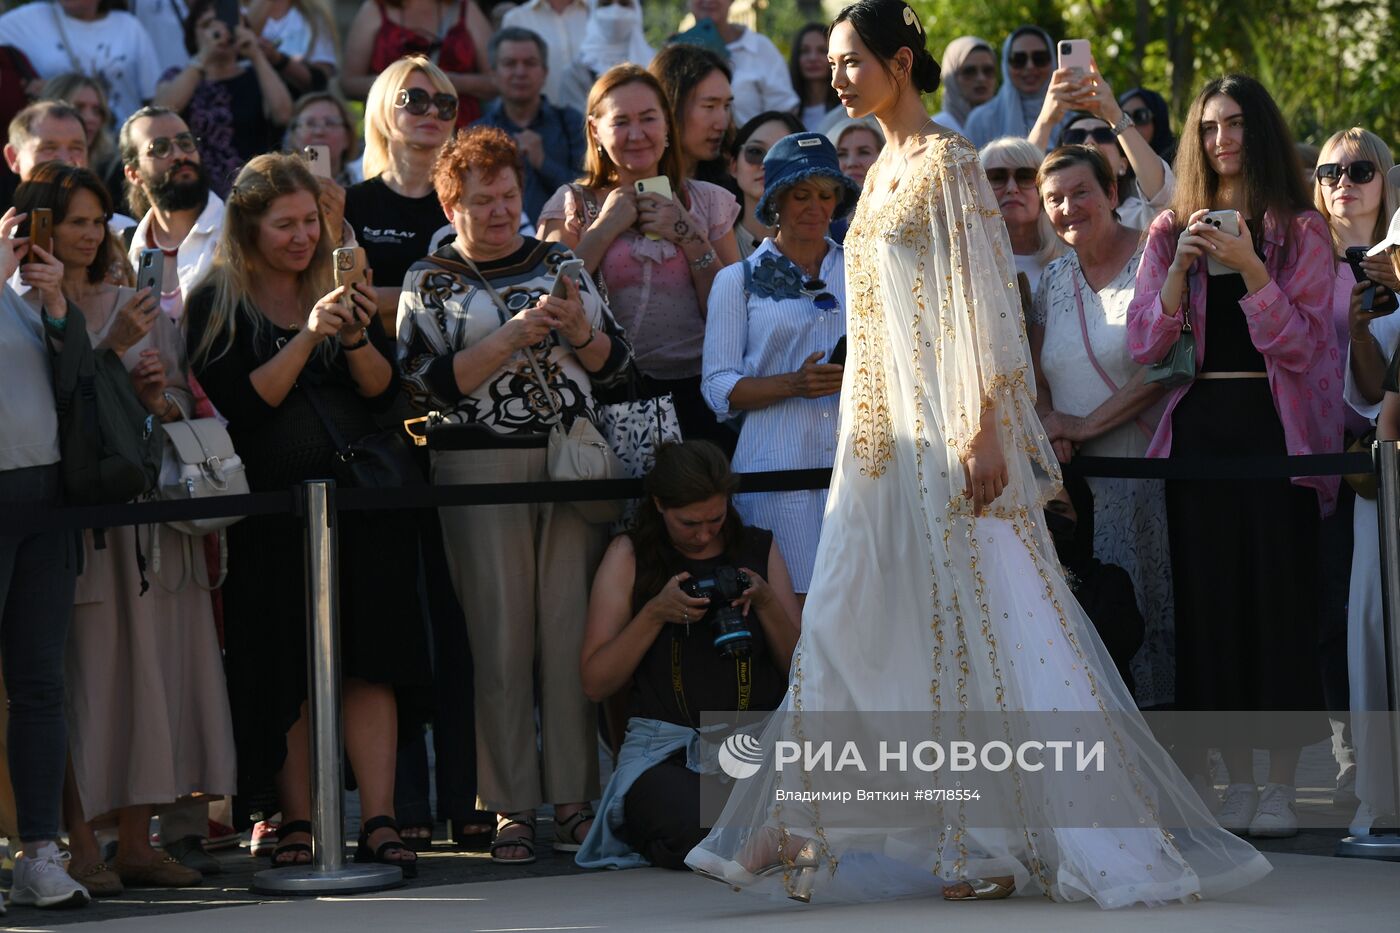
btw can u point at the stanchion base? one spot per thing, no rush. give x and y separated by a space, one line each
1383 846
307 879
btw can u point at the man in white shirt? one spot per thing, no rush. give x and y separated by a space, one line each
561 23
164 174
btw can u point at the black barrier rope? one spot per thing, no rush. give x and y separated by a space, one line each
23 519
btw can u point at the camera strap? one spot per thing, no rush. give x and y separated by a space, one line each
743 674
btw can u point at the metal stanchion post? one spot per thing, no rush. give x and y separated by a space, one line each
327 873
1385 843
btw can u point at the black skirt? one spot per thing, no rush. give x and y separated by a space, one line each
1245 567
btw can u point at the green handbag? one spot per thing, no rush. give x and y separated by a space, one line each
1178 367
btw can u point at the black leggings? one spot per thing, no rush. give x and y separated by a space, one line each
661 813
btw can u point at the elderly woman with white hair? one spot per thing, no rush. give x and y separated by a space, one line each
858 143
1011 164
775 342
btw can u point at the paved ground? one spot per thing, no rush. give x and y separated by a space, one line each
462 890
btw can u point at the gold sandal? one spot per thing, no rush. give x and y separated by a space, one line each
982 890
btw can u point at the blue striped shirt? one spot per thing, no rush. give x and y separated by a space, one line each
758 336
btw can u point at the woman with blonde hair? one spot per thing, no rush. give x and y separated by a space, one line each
284 355
657 255
1011 164
1351 189
394 212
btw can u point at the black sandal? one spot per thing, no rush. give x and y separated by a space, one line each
292 848
524 818
363 853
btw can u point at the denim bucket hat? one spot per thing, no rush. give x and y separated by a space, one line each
797 158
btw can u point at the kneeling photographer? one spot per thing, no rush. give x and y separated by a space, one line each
690 612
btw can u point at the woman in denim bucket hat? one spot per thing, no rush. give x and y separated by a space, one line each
774 342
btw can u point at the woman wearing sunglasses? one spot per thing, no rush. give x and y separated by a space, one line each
1011 166
395 212
230 95
1092 397
752 143
1245 556
1151 118
1027 61
1353 192
969 79
775 342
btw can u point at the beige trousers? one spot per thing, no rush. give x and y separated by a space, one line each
522 574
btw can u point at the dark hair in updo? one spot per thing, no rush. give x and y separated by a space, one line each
882 26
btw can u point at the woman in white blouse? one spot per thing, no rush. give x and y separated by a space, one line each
775 321
1011 164
1093 398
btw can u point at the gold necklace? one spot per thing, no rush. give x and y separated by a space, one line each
919 137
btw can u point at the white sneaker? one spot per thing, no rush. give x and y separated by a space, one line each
1241 800
42 880
1277 816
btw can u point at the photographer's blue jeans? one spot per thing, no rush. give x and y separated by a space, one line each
37 574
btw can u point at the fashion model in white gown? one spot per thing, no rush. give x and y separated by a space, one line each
916 605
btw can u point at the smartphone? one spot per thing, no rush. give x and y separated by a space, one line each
568 269
150 271
229 13
350 266
1225 222
838 353
1075 54
1377 298
40 232
318 160
659 184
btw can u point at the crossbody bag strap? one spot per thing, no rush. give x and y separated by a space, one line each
530 360
63 39
1089 349
318 405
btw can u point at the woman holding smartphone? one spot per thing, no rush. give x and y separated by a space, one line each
1244 553
657 248
279 352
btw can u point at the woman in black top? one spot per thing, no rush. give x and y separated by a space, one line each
260 355
647 636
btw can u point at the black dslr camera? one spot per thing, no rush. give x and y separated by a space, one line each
723 585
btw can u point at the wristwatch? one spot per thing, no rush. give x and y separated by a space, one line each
1124 123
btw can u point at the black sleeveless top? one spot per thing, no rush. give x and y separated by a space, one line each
682 674
1229 347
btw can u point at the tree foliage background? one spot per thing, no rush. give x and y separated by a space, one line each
1330 64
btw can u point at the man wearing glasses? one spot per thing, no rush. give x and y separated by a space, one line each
166 181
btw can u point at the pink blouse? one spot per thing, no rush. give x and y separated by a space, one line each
1290 321
649 285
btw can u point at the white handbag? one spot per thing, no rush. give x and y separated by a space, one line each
199 463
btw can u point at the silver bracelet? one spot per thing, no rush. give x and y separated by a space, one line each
1124 124
704 261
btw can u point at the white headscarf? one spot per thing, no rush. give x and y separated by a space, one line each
954 103
1010 113
614 36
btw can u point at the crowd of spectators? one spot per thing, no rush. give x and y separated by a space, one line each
477 159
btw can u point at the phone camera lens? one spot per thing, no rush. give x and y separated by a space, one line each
1064 48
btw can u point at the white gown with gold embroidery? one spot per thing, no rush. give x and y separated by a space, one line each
917 606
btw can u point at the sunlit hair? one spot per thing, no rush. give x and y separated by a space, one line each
1364 145
102 149
487 150
238 261
379 106
1013 152
22 125
841 127
53 185
684 474
1272 184
599 170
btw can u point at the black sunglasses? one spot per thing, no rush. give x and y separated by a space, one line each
824 300
1038 59
1099 134
753 154
1025 177
1360 172
972 71
418 101
1141 116
162 146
